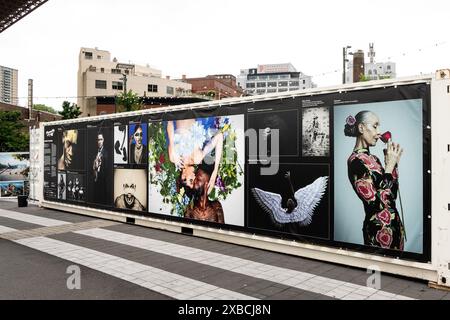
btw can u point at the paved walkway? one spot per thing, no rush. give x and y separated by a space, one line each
121 261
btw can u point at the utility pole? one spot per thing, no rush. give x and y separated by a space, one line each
124 82
344 62
30 99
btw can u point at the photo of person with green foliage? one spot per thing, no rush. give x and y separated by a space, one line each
196 166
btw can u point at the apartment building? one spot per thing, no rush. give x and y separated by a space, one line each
8 85
271 78
101 76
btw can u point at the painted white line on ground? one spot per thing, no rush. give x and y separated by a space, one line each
301 280
6 230
167 283
46 222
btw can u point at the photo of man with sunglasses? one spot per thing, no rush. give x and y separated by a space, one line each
138 144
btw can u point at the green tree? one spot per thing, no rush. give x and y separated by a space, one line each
70 111
128 101
13 136
43 107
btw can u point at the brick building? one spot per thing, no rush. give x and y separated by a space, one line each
38 116
218 86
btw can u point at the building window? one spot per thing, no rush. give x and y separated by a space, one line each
284 76
117 85
271 84
250 85
375 72
88 55
283 84
102 70
304 81
260 91
127 71
274 77
115 71
294 83
389 67
100 84
271 90
282 90
261 84
252 77
152 88
370 72
99 57
169 90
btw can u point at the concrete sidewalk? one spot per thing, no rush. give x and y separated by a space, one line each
119 261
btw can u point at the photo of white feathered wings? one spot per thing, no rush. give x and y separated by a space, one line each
308 198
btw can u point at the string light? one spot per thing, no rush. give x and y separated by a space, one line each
320 74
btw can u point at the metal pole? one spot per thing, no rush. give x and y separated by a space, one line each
344 58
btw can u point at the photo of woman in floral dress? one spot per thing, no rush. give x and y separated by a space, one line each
376 187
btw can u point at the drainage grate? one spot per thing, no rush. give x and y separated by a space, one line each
187 231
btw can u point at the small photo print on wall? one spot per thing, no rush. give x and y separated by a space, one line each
76 187
138 144
121 144
130 189
286 122
62 186
316 132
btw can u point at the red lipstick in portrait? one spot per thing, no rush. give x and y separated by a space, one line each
385 137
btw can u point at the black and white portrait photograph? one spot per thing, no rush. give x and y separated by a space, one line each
286 122
316 132
76 187
62 186
130 189
100 165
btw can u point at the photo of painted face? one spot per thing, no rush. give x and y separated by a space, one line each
138 144
130 189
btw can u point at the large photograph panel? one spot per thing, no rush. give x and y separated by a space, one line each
14 166
293 201
100 165
374 207
196 169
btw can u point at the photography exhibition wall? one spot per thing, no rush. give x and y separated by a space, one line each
344 169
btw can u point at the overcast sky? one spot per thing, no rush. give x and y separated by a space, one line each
201 37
